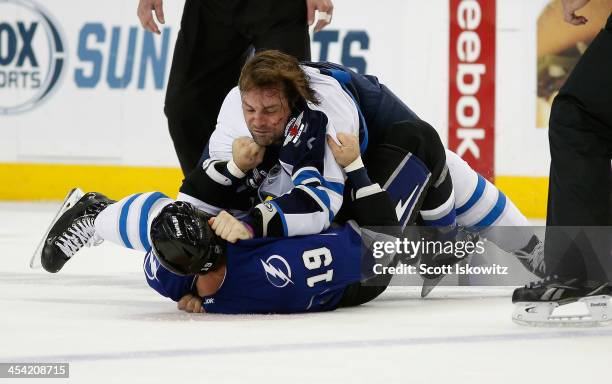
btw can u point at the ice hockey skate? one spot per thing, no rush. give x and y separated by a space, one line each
430 281
71 229
443 260
532 257
542 304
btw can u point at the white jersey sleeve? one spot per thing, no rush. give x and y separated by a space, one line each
230 126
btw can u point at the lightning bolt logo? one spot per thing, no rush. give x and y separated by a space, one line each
153 266
279 275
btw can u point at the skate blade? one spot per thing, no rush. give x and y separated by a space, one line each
73 196
429 285
598 313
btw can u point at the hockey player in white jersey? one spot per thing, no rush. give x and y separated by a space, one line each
292 122
290 109
197 261
195 264
127 221
348 101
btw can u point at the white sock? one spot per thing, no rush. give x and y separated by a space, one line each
128 221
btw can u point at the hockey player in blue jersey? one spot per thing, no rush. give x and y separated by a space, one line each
188 261
316 272
311 195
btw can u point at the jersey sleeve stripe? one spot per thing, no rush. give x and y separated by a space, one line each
310 180
144 216
299 173
305 175
444 215
495 213
282 217
476 195
125 210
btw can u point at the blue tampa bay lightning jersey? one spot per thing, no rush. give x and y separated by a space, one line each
267 275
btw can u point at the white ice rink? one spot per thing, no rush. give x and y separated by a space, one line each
99 315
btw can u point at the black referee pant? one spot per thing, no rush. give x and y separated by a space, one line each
215 38
580 137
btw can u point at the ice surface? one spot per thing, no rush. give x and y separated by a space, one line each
99 315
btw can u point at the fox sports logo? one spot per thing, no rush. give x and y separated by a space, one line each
32 55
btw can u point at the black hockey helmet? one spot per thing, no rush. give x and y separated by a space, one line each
184 242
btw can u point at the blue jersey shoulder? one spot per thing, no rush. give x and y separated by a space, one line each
165 282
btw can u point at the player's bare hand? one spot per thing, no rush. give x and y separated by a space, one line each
190 303
145 14
569 11
348 150
325 8
229 228
247 154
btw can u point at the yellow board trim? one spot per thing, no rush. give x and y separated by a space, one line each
26 182
529 194
21 181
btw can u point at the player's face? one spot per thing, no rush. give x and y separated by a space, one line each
266 112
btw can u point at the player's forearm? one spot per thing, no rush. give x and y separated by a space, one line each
372 205
307 209
216 184
357 175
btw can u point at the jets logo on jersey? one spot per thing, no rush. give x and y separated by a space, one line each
277 271
294 130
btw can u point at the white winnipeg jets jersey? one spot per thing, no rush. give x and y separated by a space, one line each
310 202
337 105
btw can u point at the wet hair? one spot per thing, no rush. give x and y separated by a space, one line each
274 69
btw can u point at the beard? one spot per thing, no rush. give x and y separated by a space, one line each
266 139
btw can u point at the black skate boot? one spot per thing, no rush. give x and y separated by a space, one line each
532 257
536 302
561 292
72 231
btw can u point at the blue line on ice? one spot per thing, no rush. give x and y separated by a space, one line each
349 344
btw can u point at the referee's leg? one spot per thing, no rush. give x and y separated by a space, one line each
208 56
580 137
579 186
286 30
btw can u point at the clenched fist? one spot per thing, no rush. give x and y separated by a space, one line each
229 228
190 303
247 154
